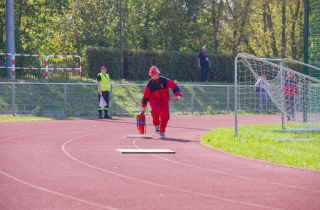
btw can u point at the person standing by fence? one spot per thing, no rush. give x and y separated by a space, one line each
104 89
261 82
203 63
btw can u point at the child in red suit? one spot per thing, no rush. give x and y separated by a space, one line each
290 94
157 93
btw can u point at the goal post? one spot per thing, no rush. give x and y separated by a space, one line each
31 62
7 65
266 90
313 69
64 62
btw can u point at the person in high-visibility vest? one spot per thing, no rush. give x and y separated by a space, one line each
104 84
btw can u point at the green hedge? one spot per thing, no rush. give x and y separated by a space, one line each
174 65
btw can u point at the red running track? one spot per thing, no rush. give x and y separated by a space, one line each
73 164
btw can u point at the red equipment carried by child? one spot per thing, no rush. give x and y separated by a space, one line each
141 120
141 123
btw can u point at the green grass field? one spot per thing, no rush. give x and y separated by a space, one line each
304 154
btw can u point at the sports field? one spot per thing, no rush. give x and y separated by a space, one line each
73 164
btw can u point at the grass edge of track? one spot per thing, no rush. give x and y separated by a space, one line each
301 154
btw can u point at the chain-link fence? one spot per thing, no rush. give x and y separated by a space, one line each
81 99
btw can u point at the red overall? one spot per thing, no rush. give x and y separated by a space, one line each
157 93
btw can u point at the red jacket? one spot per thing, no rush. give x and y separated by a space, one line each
159 90
290 87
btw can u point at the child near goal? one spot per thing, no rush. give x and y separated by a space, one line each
290 94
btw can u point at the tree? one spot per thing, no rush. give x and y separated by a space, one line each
260 27
2 25
293 38
283 50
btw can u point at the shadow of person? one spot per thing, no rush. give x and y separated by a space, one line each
101 120
177 140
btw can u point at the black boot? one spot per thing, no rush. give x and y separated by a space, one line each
106 114
100 114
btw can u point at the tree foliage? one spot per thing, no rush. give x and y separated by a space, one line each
223 26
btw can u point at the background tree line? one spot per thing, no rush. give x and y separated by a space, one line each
180 66
265 28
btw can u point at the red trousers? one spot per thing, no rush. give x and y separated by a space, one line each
160 113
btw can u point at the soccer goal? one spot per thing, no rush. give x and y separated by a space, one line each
275 100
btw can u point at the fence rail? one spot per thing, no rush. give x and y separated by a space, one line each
46 67
73 99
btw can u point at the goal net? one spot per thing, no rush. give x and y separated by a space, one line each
275 100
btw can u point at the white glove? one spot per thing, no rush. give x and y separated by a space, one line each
179 98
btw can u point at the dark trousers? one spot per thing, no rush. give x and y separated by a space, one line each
204 72
289 104
105 95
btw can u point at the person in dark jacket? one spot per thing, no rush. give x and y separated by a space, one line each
157 93
204 63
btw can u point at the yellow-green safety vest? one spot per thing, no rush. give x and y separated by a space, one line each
105 82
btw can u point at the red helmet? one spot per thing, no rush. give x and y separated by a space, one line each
154 70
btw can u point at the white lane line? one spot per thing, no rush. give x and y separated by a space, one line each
153 183
57 193
44 131
30 134
47 190
225 173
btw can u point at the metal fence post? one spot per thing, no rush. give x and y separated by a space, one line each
13 99
236 96
111 97
46 65
192 88
228 99
282 100
65 99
